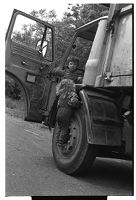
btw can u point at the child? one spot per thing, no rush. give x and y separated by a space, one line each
70 72
67 98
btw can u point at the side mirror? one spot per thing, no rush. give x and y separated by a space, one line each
38 46
42 49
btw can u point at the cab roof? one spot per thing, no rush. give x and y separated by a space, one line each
88 30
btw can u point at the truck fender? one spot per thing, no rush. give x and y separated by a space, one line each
52 114
102 119
86 116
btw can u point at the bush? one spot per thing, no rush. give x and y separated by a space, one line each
10 103
15 104
12 90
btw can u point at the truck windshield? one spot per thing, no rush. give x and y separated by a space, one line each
81 49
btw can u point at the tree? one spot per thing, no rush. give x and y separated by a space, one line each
77 15
12 89
44 15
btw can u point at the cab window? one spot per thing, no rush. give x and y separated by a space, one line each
28 32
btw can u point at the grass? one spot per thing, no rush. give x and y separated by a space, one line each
15 107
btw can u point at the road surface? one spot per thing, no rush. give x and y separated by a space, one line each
31 171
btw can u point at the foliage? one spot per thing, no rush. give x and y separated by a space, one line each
79 15
15 108
44 15
12 89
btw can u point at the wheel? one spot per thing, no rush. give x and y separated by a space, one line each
77 156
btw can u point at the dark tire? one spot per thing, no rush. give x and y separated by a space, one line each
77 156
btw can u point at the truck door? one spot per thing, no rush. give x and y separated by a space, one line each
29 54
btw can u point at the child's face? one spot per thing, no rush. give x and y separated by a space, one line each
72 66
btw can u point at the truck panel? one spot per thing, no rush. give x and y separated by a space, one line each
119 67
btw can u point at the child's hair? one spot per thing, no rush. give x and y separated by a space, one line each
74 59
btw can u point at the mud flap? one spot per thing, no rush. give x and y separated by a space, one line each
104 123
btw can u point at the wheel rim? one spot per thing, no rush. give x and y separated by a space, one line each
74 138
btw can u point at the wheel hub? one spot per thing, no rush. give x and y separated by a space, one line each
73 139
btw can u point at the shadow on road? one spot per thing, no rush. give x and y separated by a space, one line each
111 172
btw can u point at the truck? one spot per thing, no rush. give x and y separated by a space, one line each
103 125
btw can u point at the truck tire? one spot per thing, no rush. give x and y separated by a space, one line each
77 156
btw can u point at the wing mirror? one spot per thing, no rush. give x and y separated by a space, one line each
42 49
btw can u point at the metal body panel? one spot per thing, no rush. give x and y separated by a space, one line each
121 61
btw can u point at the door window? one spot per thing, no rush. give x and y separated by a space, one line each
29 33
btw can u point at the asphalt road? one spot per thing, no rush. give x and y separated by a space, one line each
31 171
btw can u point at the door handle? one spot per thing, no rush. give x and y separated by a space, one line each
108 77
23 63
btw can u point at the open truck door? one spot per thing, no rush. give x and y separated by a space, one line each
29 54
